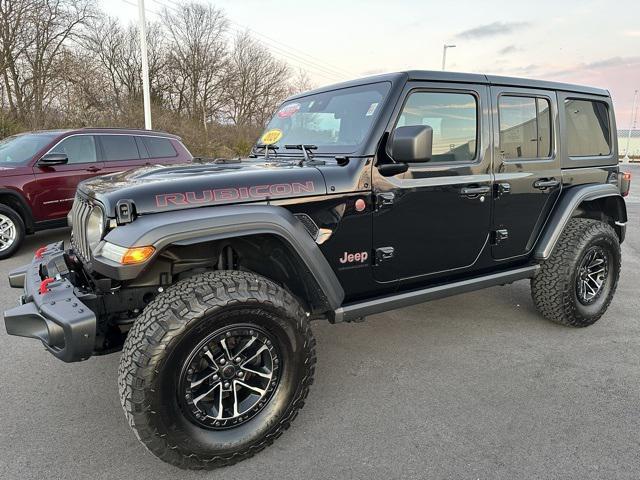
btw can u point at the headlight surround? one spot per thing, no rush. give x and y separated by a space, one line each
95 227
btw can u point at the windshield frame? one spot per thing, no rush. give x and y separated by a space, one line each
329 150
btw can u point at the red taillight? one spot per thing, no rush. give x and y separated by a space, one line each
625 184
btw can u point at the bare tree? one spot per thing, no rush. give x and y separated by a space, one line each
257 82
196 59
38 32
115 50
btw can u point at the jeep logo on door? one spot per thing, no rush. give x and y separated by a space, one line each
354 258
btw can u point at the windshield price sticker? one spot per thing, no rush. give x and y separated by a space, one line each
271 136
289 110
372 109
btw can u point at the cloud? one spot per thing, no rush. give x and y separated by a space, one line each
508 49
492 29
632 33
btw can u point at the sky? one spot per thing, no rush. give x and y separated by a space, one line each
589 42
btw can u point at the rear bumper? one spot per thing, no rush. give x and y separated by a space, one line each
55 315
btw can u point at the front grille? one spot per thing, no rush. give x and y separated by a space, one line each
79 215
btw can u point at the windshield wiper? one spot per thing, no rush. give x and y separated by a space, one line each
266 148
306 150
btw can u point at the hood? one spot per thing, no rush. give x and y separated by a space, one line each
157 188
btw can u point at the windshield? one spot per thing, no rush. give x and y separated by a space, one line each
19 149
335 121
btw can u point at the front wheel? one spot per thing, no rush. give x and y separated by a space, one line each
576 284
11 231
216 368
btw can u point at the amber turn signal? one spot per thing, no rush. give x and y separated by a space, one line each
137 255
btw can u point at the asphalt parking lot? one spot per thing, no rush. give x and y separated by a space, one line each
471 387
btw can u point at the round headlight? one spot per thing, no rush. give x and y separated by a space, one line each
95 227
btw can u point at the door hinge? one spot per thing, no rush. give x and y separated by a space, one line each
384 253
500 236
385 199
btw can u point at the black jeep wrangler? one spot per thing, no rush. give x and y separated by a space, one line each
358 198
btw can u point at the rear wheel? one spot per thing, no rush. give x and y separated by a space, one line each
216 368
576 284
11 231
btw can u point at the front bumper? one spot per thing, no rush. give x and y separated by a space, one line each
52 313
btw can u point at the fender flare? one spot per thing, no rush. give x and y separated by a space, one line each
567 205
203 224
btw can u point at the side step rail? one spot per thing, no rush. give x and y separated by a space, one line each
354 311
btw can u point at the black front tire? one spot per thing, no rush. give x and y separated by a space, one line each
161 345
556 288
10 221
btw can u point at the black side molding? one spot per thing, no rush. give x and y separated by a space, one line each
568 203
354 311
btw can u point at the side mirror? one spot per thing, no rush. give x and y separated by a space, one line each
54 159
412 144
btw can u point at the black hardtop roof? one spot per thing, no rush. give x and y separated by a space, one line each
455 77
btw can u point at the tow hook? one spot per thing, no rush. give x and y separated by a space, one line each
44 285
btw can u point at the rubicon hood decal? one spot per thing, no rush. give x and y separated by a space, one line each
154 189
229 194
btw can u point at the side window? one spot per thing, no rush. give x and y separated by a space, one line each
78 148
525 127
588 128
119 147
453 118
159 147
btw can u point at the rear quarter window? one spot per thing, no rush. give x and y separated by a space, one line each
588 128
159 147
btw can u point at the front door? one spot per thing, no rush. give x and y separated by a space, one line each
527 167
56 184
435 218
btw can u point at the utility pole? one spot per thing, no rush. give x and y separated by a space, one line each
145 66
444 54
632 126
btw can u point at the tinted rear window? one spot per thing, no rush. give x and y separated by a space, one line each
159 147
588 128
119 147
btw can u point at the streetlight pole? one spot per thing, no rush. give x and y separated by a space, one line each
632 125
444 54
145 66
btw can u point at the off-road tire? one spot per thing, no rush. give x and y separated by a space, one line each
18 223
180 316
554 288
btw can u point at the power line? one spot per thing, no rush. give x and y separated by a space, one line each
288 50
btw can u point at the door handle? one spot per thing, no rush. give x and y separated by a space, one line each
93 169
544 183
473 192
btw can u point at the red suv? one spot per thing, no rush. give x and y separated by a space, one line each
39 172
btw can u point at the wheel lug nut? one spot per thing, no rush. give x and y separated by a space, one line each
226 384
222 361
241 374
215 377
237 359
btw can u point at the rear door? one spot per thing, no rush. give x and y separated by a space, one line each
434 219
526 167
122 152
56 184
